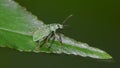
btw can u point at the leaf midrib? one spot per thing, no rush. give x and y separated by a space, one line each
17 32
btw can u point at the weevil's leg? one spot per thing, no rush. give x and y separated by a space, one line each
58 38
48 37
45 41
40 44
52 41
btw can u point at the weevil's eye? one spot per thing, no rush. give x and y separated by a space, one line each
59 26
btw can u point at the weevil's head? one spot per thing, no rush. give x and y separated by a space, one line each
59 26
54 27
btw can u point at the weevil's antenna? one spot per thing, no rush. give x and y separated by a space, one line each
67 19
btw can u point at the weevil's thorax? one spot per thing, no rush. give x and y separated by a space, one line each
54 27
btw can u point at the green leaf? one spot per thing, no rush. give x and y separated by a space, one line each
17 27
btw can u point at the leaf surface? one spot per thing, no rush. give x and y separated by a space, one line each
17 27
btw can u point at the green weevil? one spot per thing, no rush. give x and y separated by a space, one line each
48 31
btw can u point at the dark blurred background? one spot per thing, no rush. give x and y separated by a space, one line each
96 22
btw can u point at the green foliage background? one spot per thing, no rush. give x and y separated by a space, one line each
94 22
